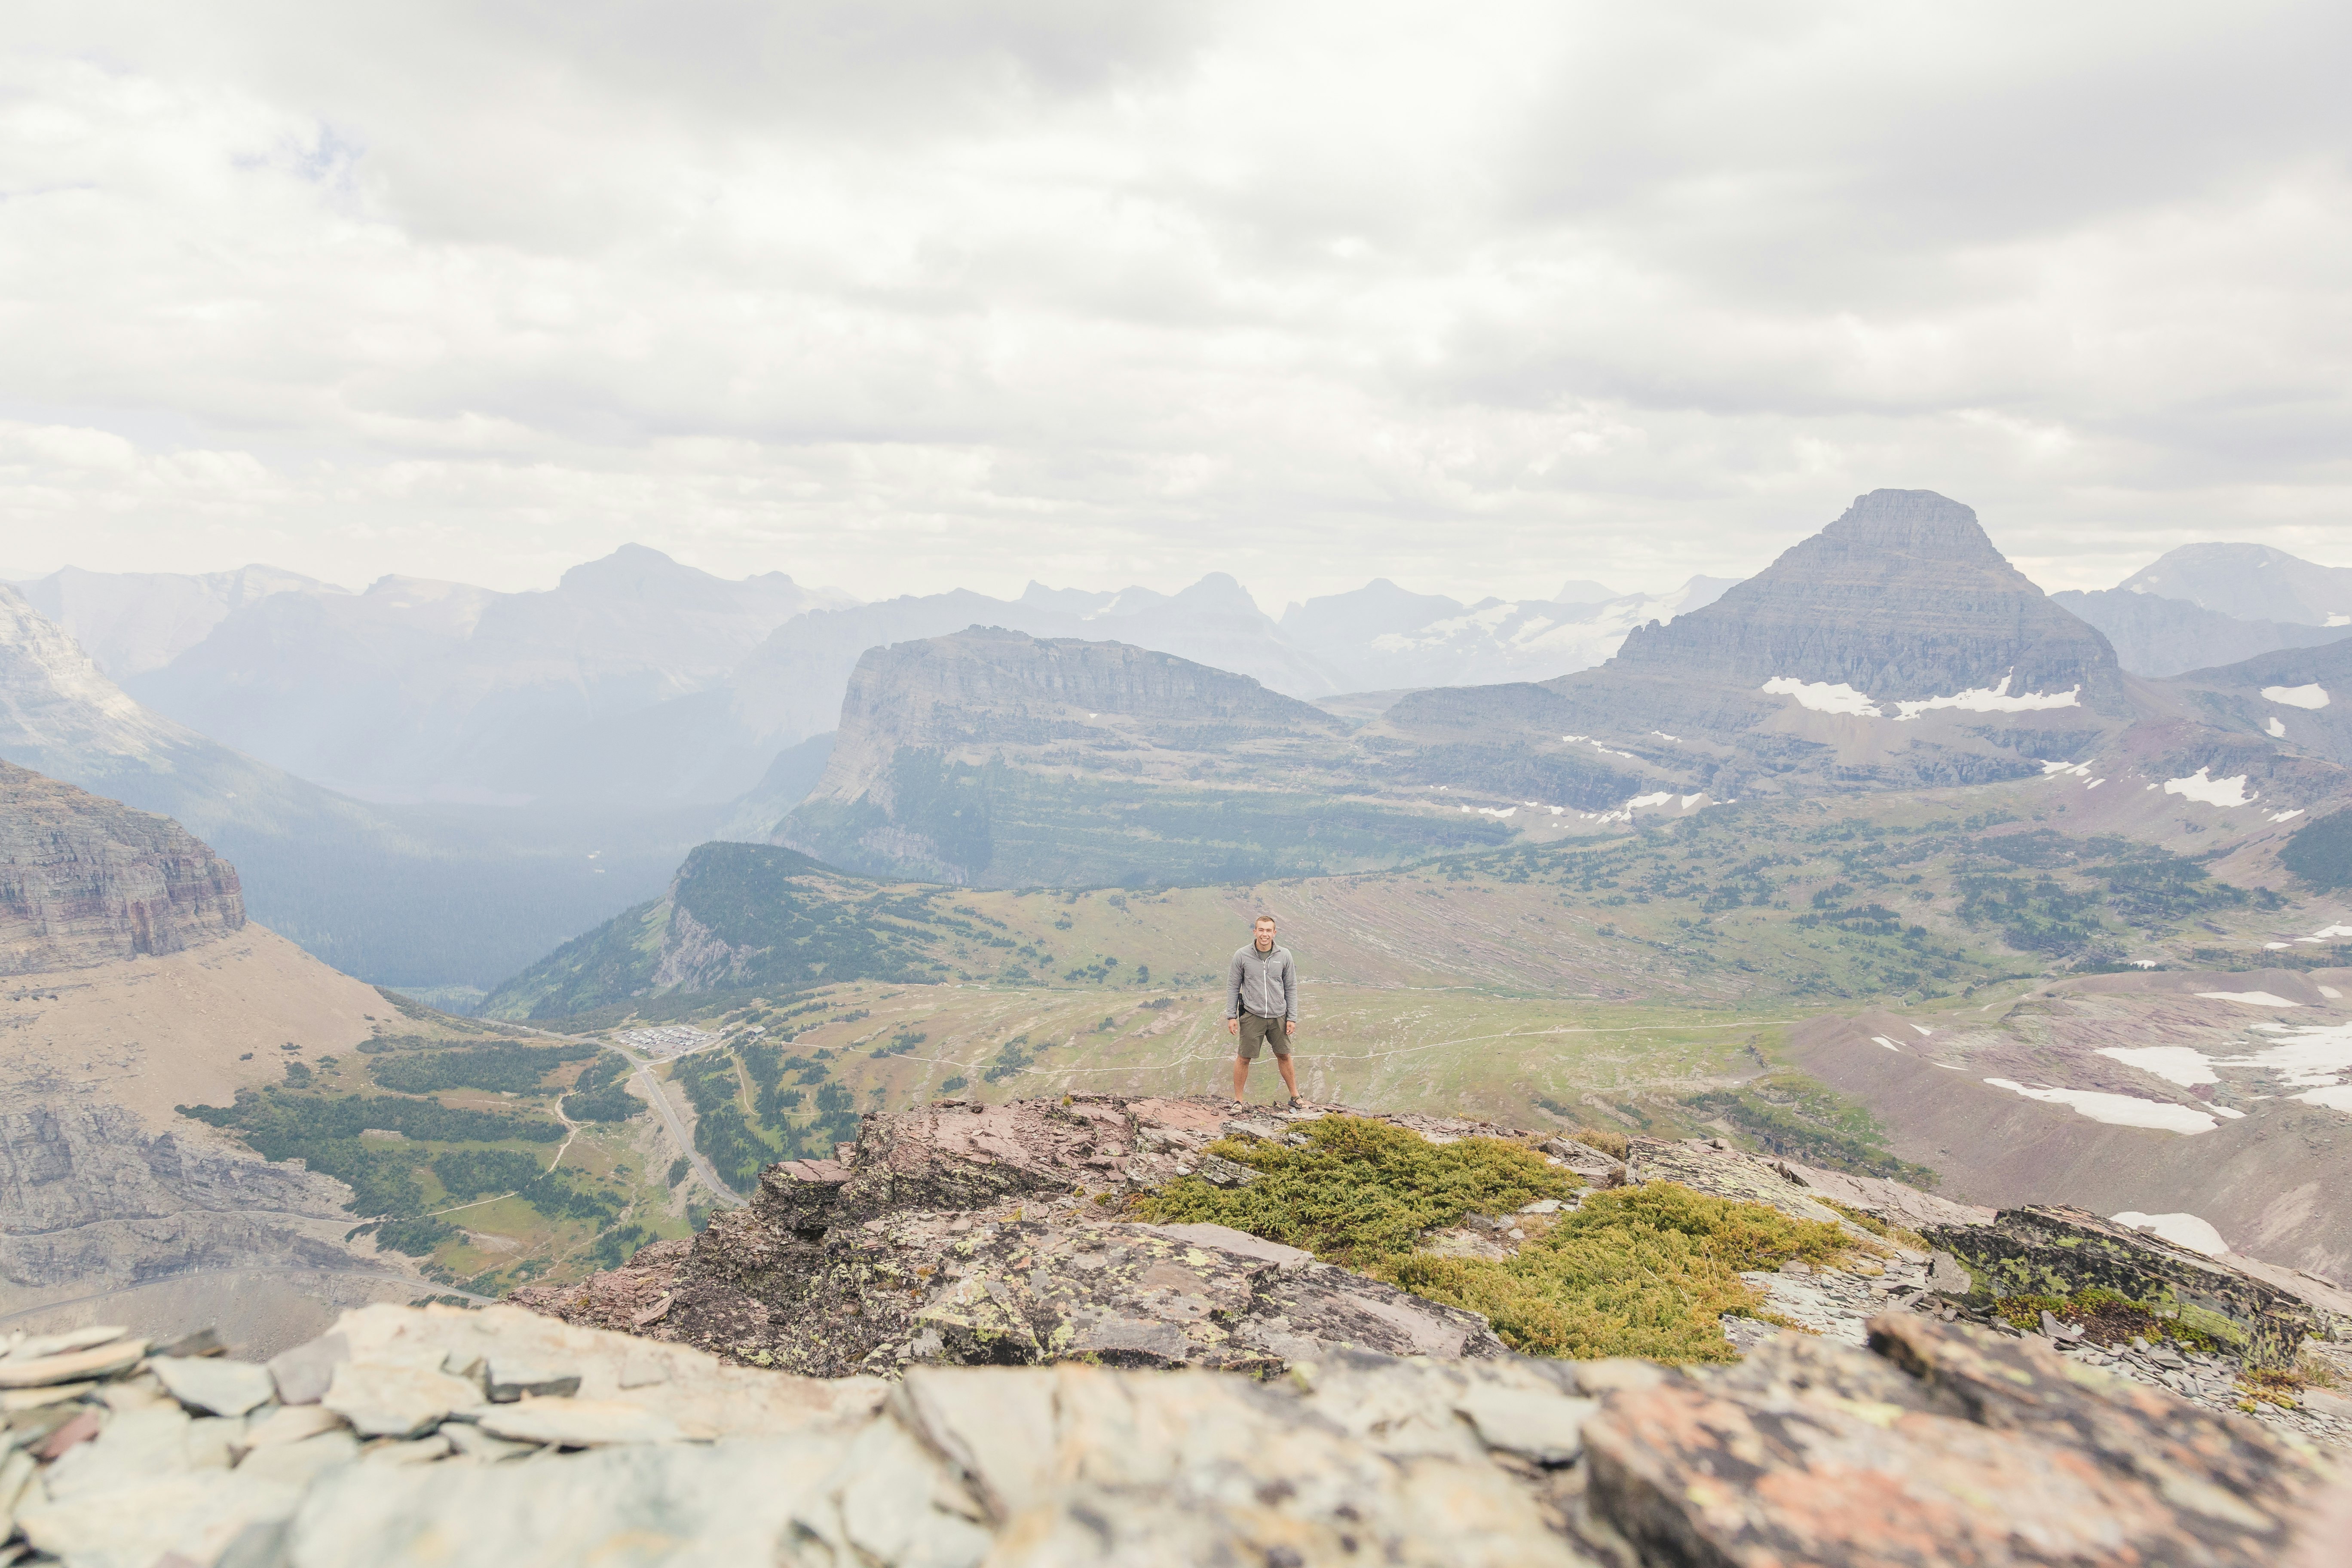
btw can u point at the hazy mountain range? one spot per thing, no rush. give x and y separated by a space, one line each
537 762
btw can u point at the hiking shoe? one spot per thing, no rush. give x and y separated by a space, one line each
1295 1104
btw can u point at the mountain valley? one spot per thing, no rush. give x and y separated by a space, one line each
1879 860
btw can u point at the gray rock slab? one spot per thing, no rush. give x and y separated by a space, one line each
509 1380
393 1401
1547 1427
1220 1171
578 1423
1227 1239
724 1505
195 1514
215 1386
72 1366
303 1373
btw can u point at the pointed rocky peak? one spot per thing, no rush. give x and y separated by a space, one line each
1903 599
2250 583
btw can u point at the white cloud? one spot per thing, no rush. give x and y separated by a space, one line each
904 294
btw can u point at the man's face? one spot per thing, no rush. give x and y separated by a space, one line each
1265 936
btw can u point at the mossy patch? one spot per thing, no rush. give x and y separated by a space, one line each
1360 1191
2111 1317
1884 1230
1646 1271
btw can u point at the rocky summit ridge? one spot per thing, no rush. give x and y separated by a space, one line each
1898 1431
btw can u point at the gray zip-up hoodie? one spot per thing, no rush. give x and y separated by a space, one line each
1266 983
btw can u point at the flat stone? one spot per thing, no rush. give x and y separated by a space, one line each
1220 1171
72 1366
422 1450
39 1347
509 1380
715 1507
214 1385
190 1517
578 1423
471 1442
298 1464
16 1400
391 1401
303 1373
129 1448
1226 1239
1548 1428
290 1423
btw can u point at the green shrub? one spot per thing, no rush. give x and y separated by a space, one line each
1360 1191
1643 1270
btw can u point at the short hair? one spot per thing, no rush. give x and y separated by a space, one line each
1262 920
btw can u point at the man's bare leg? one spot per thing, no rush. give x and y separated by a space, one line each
1289 1075
1240 1076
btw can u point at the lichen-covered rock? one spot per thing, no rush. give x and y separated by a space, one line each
1949 1447
971 1235
2058 1251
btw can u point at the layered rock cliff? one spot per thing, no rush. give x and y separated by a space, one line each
1903 597
86 881
997 759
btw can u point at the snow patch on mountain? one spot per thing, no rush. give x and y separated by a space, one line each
2313 695
2183 1065
2198 786
1824 697
2180 1230
2118 1110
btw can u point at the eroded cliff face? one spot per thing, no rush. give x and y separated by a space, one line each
94 1201
86 881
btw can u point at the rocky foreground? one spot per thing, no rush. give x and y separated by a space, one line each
1016 1374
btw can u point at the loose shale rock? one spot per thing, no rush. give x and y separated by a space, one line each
968 1234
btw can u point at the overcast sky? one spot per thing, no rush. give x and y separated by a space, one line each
896 295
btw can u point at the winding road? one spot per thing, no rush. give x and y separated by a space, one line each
676 1125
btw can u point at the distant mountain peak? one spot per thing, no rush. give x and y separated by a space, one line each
2250 583
1904 598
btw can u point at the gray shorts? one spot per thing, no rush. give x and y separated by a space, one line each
1256 1029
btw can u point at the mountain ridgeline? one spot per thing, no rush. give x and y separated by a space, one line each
746 917
1896 648
997 759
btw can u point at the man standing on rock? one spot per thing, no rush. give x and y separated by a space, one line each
1262 1006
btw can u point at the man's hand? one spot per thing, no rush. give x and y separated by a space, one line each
1233 1027
1289 1027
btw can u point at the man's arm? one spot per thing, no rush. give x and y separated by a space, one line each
1234 973
1289 990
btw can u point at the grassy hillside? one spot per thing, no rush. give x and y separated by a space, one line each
1915 895
1647 982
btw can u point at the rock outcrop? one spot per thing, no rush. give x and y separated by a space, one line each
963 1234
946 744
85 881
971 1235
498 1438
